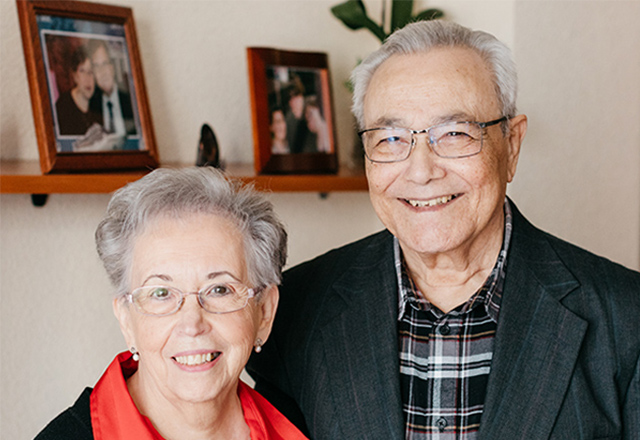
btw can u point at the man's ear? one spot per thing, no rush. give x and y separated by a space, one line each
268 305
517 131
123 315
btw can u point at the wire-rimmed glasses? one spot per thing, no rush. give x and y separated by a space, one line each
219 297
451 140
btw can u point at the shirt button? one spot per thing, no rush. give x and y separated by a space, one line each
442 423
445 329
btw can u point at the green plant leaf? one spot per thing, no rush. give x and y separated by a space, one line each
429 14
400 13
375 29
352 13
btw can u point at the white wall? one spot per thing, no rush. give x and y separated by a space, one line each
575 179
579 173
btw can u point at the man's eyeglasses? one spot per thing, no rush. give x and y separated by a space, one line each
450 140
220 297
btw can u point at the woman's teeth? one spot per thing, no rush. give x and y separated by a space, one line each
432 202
196 359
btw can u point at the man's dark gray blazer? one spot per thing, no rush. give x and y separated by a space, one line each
126 107
566 356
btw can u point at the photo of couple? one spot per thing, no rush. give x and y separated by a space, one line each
89 86
296 112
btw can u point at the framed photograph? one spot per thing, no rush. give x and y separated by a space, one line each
87 88
293 127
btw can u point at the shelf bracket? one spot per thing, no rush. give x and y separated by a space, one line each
39 200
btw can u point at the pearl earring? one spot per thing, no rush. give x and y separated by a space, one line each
258 345
136 355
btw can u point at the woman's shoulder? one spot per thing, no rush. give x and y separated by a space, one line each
74 422
64 100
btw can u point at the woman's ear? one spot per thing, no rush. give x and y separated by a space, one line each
123 315
267 311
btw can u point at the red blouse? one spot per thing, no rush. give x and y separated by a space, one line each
115 416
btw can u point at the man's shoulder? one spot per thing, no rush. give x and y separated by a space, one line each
337 261
607 287
304 286
584 263
74 422
126 105
124 96
602 279
588 262
95 102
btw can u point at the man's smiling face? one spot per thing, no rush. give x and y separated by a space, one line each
435 205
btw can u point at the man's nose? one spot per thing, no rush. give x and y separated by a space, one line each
423 163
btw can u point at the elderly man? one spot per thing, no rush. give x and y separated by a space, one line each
299 137
113 104
461 320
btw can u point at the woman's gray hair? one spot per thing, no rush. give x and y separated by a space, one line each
426 35
181 192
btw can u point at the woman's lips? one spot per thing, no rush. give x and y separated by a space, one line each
196 359
196 362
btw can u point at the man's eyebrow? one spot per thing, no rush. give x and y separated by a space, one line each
453 117
397 122
387 122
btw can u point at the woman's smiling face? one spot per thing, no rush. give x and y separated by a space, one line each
84 79
192 355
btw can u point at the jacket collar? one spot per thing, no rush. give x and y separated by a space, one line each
362 344
537 340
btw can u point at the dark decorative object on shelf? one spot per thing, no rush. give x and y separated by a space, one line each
208 151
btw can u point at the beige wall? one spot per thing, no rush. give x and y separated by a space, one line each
579 63
579 173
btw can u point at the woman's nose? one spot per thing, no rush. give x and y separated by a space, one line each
192 316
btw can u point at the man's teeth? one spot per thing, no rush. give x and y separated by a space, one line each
432 202
196 359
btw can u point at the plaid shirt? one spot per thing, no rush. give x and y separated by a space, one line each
445 359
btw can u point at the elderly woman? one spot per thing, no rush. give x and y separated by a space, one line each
278 129
72 107
196 260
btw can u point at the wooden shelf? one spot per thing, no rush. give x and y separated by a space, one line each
24 177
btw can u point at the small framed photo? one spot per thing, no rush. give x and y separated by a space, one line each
87 88
293 127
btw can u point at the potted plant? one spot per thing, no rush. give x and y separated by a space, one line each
354 15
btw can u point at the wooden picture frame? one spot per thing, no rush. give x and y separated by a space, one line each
292 90
80 129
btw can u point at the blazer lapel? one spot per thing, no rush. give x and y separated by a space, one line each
361 347
537 341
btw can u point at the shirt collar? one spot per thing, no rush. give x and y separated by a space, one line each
490 294
113 412
113 96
